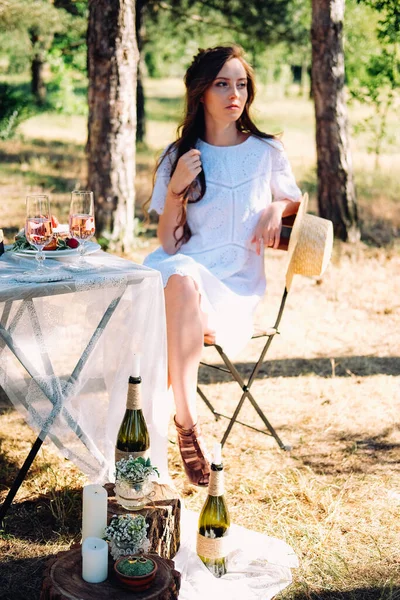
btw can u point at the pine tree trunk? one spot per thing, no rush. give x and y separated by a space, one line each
38 86
140 97
336 192
112 70
140 104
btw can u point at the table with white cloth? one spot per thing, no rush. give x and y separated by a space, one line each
66 354
65 357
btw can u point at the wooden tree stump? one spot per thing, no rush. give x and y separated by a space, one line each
162 514
62 580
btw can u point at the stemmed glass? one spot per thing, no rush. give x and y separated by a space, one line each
81 223
38 227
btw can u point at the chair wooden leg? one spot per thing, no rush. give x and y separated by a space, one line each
246 387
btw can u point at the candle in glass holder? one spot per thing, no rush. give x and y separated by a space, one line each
94 513
94 560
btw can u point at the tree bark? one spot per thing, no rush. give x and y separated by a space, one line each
112 70
336 191
140 97
38 86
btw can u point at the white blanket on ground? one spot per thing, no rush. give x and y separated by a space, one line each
259 566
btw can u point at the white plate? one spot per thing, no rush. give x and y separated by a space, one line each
91 247
41 277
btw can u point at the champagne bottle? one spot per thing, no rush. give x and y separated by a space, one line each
214 521
133 437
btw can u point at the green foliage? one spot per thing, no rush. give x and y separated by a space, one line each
378 83
70 44
185 26
25 15
127 529
173 36
15 107
62 93
360 40
134 470
52 32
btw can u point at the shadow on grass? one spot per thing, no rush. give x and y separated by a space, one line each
54 153
43 519
377 231
344 366
55 144
21 578
368 593
352 453
355 455
55 183
38 156
9 470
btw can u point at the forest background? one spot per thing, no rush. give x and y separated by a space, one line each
331 386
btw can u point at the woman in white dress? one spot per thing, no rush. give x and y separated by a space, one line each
221 191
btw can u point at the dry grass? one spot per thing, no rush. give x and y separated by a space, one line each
331 387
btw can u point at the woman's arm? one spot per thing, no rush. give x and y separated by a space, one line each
187 169
169 220
269 225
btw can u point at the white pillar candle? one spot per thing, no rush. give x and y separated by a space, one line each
94 513
94 560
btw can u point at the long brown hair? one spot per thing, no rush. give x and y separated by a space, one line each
200 75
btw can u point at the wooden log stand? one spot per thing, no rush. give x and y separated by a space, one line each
62 580
162 514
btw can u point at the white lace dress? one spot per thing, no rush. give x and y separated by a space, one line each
241 181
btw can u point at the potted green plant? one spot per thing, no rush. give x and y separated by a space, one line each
135 572
127 535
133 485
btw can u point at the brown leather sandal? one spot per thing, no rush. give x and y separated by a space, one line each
194 454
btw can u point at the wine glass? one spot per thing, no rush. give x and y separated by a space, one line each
38 226
81 222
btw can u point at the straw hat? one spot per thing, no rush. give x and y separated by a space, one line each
310 244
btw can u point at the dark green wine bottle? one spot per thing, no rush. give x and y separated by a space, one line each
214 521
133 437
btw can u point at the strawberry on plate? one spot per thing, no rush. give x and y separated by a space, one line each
72 242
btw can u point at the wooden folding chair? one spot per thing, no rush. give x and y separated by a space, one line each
230 368
269 334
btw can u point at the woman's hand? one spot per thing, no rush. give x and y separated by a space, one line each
187 169
269 226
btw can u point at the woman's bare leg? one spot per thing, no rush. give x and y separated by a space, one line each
186 325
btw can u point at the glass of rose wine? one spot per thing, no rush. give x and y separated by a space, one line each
81 222
38 227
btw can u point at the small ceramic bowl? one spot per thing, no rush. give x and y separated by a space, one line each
135 582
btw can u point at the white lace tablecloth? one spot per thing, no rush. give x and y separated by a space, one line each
66 353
